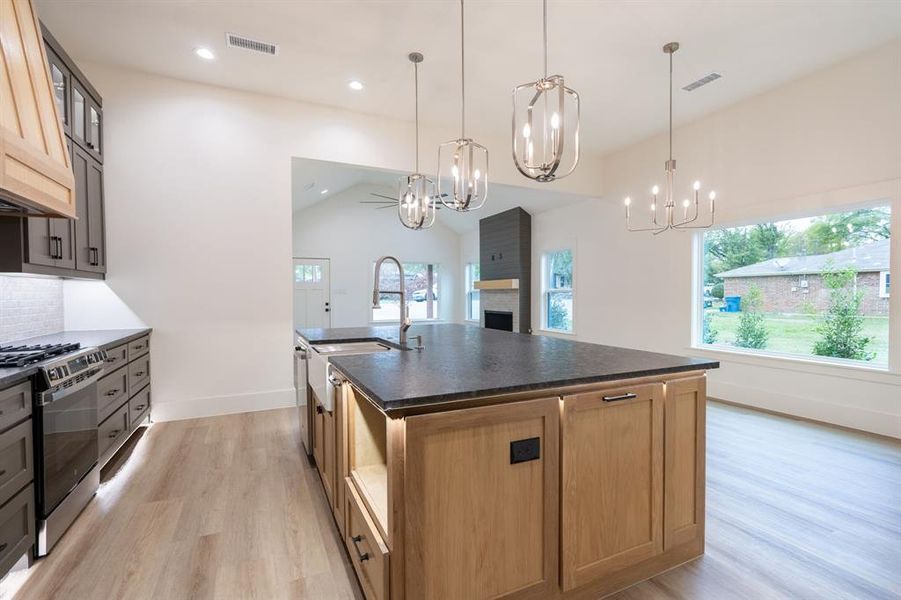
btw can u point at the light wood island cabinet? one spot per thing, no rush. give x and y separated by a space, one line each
575 492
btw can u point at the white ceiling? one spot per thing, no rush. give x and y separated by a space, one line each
609 51
310 177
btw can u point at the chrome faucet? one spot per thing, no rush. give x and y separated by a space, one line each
405 321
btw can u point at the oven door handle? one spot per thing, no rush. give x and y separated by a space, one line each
51 396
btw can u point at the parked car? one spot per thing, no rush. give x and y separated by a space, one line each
420 295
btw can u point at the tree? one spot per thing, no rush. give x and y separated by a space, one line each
751 331
837 231
841 328
557 314
718 290
710 332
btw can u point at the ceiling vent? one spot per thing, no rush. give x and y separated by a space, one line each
702 81
233 40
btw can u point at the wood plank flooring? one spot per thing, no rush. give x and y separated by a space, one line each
225 507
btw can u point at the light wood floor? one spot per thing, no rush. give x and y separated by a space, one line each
225 507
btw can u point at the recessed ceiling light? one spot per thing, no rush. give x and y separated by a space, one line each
204 53
325 191
355 85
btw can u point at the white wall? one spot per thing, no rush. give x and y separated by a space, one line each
353 236
828 140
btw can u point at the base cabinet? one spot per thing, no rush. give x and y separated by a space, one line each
481 502
684 471
612 515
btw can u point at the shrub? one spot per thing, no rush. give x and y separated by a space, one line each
841 328
751 331
558 315
718 290
710 332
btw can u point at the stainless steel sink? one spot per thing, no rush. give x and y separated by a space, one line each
319 372
352 348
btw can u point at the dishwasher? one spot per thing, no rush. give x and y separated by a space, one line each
301 356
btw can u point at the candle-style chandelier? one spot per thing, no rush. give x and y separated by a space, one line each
689 216
463 162
416 192
540 125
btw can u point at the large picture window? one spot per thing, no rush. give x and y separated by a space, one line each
473 312
557 283
421 286
815 287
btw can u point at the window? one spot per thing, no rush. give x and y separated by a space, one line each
421 286
473 312
307 273
557 284
813 287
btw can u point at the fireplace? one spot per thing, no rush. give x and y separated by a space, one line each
498 319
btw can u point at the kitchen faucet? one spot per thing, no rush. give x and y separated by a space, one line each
405 321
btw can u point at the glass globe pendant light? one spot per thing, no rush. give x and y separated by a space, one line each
689 215
540 124
415 192
462 163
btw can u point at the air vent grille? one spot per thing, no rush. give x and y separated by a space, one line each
233 40
702 81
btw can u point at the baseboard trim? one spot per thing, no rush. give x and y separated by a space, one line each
846 417
213 406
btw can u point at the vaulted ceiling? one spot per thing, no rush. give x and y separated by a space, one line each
609 51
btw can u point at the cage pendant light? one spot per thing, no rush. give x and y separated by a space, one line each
462 163
415 192
544 111
690 208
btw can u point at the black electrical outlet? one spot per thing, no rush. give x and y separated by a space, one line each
525 450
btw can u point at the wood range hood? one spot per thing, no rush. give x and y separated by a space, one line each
496 284
36 175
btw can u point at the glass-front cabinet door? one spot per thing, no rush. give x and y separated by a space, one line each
79 104
61 80
95 129
87 121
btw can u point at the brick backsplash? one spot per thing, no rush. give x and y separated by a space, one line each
30 306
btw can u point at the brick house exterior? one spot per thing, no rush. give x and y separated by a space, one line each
795 284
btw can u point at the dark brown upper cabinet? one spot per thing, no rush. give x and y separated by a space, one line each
90 249
87 121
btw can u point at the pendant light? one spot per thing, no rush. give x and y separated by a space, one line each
689 214
415 192
463 162
540 126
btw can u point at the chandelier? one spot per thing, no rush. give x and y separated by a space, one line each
462 161
415 192
690 208
539 124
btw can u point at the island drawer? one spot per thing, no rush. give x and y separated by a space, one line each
15 404
138 407
16 462
112 431
368 552
112 391
117 357
138 373
138 347
16 528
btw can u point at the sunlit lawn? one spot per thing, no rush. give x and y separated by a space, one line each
796 334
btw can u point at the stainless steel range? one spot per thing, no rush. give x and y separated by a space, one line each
65 441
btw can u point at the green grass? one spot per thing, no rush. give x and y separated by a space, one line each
796 334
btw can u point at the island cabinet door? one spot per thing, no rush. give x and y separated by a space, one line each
481 502
612 513
685 410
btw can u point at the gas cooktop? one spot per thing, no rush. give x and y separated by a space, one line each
20 355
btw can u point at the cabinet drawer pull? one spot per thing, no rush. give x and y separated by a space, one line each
2 472
139 347
112 392
3 546
111 359
362 556
139 373
139 407
627 396
113 433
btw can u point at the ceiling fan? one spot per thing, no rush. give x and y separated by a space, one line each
388 201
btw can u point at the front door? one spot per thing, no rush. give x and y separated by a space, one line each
312 307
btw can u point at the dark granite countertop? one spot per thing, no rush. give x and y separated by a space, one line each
101 338
462 362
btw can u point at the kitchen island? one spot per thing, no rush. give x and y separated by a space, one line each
500 465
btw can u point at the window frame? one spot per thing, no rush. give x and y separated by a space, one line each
769 357
470 291
546 291
885 284
436 286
